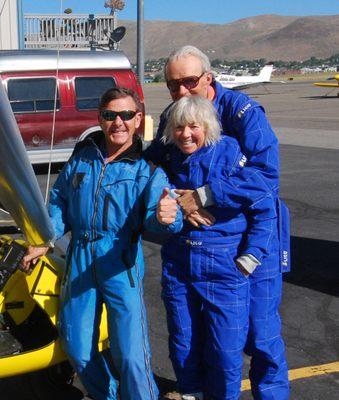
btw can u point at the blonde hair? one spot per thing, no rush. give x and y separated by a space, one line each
193 109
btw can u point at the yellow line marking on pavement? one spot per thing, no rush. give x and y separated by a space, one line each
301 373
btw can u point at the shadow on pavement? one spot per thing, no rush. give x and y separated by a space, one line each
315 265
320 97
47 384
165 385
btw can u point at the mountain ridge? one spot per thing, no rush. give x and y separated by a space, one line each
270 36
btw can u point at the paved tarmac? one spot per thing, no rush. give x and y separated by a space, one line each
307 125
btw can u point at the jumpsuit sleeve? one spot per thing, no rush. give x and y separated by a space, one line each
58 201
242 188
246 120
257 141
152 193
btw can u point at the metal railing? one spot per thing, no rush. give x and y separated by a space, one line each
67 31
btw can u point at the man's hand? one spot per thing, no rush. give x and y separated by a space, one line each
189 200
200 217
32 256
167 208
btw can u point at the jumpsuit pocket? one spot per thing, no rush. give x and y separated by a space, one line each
66 271
218 263
130 278
105 213
81 175
68 262
125 260
121 199
80 193
284 236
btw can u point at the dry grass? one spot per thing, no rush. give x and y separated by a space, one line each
319 76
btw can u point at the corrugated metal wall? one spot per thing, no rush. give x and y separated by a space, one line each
8 25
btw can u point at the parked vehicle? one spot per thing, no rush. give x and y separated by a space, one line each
71 83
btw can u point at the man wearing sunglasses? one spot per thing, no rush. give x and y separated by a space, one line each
106 195
187 73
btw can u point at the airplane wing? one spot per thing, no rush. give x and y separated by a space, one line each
252 84
245 85
19 189
326 84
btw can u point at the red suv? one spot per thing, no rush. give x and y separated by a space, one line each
67 84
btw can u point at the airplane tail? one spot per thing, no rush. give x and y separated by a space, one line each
265 73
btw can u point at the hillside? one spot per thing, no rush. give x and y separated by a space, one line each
272 37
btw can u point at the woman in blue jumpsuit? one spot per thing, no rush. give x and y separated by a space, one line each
105 195
188 72
205 289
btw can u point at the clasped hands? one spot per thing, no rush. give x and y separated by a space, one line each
191 206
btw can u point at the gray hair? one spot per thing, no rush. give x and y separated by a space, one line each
187 51
193 109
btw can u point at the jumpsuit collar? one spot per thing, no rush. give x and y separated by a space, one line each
132 153
219 92
197 154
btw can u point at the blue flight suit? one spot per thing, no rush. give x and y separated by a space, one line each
205 294
105 206
245 120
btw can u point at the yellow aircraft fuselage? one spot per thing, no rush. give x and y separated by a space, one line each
329 84
20 296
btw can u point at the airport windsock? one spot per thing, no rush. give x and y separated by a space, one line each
19 190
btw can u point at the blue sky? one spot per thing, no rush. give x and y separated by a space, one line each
209 11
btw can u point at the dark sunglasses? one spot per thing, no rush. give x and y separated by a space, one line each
190 82
110 115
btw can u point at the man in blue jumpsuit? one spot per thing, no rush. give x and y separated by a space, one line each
105 195
187 72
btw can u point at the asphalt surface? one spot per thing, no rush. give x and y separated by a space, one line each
307 125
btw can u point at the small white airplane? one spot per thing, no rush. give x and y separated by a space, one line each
243 82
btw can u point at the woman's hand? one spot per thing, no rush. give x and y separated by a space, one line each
167 208
32 256
200 217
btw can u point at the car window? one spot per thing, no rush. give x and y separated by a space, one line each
32 94
88 91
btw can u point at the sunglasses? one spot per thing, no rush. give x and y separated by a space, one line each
110 115
190 82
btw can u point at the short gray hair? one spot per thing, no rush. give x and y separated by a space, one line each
186 51
193 109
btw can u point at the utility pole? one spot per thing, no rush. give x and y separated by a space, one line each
20 14
140 42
